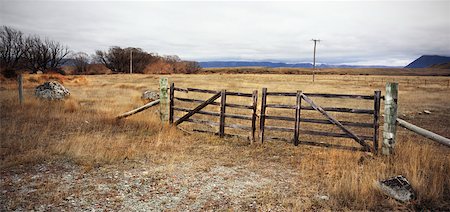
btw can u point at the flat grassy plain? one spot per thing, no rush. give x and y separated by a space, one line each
75 155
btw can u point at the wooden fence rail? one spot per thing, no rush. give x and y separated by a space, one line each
223 115
330 120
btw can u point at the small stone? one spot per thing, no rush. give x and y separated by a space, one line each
323 197
427 112
150 95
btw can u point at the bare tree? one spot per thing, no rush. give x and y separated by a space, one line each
11 49
57 53
44 55
81 62
118 59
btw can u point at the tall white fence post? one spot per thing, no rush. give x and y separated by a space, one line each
164 100
390 118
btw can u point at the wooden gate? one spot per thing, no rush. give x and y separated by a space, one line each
298 119
223 116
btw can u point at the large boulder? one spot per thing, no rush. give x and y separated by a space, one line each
150 95
51 90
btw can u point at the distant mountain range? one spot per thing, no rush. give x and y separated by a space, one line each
427 61
223 64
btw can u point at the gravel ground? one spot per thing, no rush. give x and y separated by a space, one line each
139 186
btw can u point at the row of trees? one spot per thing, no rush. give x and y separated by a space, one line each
119 59
31 53
18 51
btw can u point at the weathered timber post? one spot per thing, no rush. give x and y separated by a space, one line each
376 117
223 101
390 118
255 105
164 100
262 117
20 81
297 117
171 93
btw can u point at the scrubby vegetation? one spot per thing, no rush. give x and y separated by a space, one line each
82 133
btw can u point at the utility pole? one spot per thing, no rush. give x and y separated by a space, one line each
131 61
314 58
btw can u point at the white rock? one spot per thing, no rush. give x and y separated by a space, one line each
51 91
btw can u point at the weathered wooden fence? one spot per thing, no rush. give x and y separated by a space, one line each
297 130
222 115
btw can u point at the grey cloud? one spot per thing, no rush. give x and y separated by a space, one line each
352 32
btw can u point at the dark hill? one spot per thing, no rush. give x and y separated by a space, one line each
426 61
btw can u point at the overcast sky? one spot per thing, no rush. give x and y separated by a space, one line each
364 32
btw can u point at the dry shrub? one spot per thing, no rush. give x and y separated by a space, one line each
71 105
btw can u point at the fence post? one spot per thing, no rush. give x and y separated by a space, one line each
255 105
390 118
20 81
262 118
171 93
297 117
376 117
223 101
163 112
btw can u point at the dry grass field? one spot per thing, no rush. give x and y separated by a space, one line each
74 155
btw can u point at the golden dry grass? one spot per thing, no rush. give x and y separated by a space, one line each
84 129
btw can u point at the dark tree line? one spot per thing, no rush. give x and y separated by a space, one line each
32 53
118 60
18 51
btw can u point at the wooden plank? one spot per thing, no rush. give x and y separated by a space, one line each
194 100
214 103
328 109
198 108
282 118
423 132
336 122
323 95
321 121
226 134
281 106
139 109
215 124
200 90
332 134
341 109
239 106
255 104
238 126
281 94
180 89
201 121
297 117
282 129
164 100
262 117
376 115
320 144
339 96
239 94
199 112
390 118
236 116
171 96
222 112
